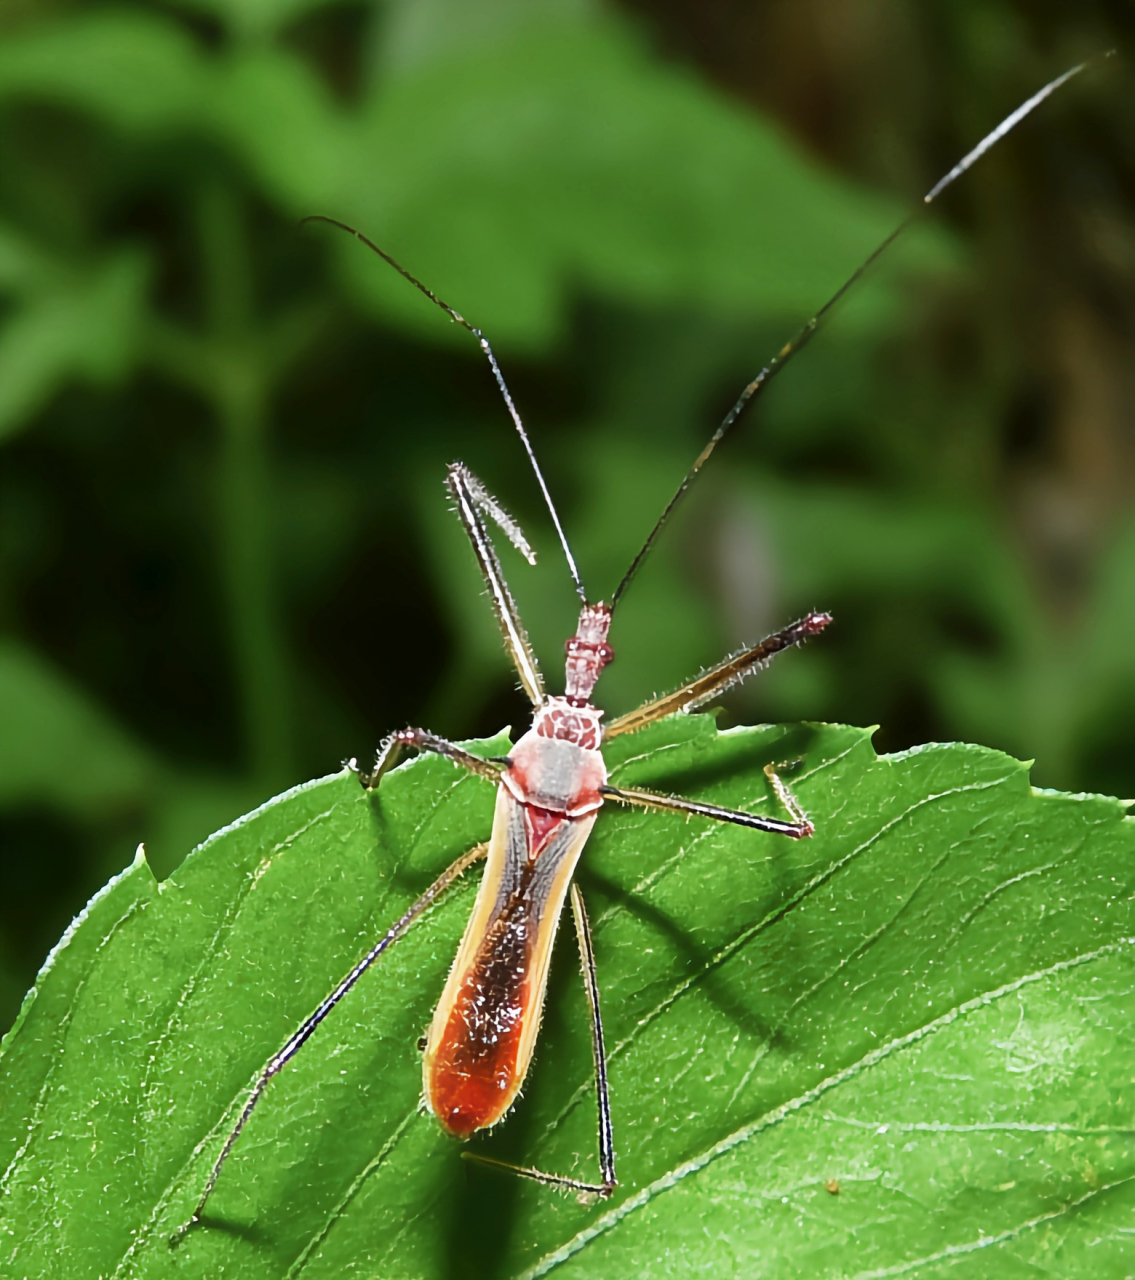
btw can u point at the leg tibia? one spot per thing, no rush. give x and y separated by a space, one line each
311 1022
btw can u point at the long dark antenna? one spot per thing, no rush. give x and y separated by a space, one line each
458 318
801 340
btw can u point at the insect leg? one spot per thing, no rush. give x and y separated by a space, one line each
788 799
800 826
471 498
591 983
312 1021
422 740
604 1189
717 679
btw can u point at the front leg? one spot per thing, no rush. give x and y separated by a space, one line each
422 740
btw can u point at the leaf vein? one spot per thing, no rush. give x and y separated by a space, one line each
40 1105
223 930
777 1115
747 935
952 1251
320 1235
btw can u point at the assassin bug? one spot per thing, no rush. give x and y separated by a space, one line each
549 791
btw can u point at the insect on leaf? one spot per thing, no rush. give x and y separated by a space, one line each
928 1005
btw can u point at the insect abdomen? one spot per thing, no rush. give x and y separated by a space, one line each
473 1076
483 1031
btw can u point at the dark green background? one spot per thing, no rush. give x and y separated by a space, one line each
225 556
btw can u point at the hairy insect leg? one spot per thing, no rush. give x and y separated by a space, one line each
310 1023
422 740
601 1190
591 984
717 679
800 827
513 413
788 799
470 499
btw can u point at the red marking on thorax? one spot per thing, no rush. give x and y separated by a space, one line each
540 824
556 765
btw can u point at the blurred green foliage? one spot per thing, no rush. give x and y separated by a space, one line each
225 556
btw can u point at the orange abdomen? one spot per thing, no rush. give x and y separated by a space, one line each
483 1032
473 1073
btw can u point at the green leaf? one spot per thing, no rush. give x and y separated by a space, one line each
416 33
254 20
60 748
23 264
1109 658
143 75
1048 687
901 1047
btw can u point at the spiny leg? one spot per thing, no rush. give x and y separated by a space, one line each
717 679
422 740
788 799
471 498
310 1023
800 827
604 1189
591 983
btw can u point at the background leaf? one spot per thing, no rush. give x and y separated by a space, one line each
902 1046
84 326
58 747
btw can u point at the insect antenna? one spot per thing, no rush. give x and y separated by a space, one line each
510 404
801 340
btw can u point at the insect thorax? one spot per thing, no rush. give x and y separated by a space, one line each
557 764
